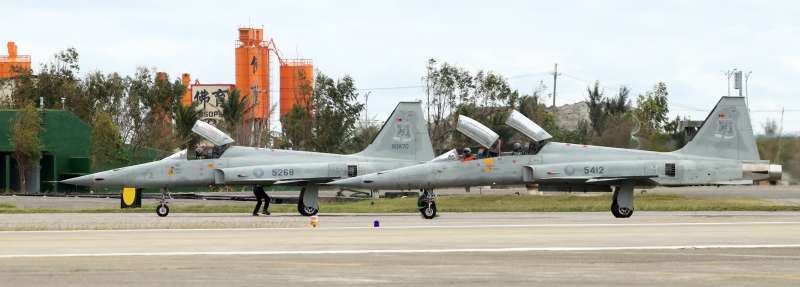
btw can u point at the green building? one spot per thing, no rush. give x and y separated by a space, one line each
66 140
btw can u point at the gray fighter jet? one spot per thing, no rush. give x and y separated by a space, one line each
722 152
402 141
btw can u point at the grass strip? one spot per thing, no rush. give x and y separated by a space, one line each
469 203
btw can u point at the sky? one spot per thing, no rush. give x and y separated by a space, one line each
385 45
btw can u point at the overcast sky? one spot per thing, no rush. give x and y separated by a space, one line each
383 44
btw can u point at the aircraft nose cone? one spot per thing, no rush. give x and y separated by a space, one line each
85 180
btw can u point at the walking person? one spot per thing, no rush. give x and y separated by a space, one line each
261 196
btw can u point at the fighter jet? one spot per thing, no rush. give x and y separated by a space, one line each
722 152
402 141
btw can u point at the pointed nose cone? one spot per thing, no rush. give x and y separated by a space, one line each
86 180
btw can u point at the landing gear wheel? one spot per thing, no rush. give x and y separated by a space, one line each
162 210
428 212
426 203
306 210
620 212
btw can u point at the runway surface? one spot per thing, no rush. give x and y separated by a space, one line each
590 249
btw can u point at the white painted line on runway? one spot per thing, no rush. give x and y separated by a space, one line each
399 251
432 226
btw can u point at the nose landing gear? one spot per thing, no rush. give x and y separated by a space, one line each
163 209
427 203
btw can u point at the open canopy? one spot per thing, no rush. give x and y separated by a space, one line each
523 124
211 133
476 131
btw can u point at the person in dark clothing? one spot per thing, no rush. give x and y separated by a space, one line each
261 196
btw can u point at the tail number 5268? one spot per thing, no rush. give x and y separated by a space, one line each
282 171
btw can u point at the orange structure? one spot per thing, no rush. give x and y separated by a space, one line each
297 79
252 71
7 63
186 98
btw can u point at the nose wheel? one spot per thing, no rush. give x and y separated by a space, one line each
162 210
427 204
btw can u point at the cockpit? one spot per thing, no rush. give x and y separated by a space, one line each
490 142
216 143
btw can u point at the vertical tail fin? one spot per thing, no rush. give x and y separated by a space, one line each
404 135
726 133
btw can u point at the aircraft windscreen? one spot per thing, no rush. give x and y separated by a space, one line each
448 156
177 155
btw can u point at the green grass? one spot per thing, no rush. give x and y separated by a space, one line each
471 203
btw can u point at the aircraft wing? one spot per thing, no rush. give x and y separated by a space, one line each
597 180
592 173
277 174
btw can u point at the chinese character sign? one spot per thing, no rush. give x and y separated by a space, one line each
209 99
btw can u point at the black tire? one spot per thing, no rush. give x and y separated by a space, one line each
306 210
162 210
428 211
620 212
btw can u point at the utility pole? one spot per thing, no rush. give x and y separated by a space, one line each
728 74
737 82
555 81
747 88
780 137
366 109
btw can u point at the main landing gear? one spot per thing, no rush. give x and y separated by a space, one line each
308 204
163 209
427 203
622 201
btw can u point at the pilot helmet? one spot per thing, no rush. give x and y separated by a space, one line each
467 150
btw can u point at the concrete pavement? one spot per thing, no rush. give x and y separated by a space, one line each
591 249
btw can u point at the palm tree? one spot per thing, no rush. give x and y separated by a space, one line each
233 111
185 117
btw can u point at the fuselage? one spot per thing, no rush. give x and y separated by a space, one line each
177 170
558 161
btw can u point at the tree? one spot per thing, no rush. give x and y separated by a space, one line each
185 118
107 146
297 127
597 115
651 112
25 137
336 112
106 93
652 109
446 87
234 110
157 99
618 105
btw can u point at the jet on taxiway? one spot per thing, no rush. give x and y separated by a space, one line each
402 141
722 152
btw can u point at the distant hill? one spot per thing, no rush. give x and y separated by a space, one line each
568 116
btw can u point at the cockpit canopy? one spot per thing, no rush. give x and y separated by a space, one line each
524 125
211 133
218 139
476 131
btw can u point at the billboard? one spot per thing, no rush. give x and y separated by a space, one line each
209 99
